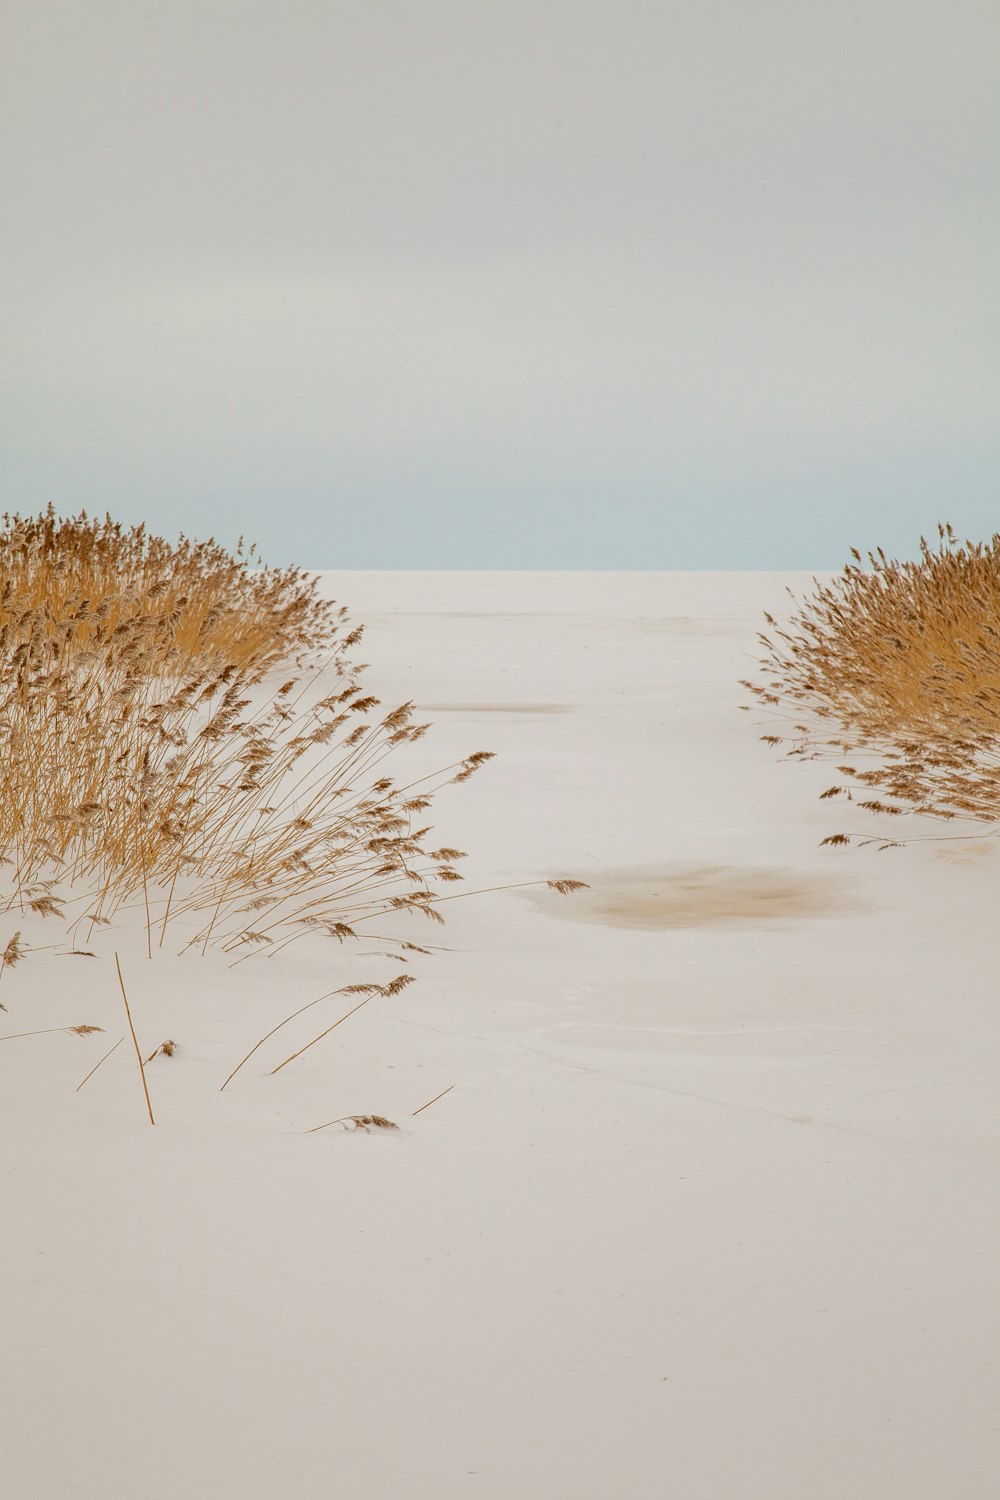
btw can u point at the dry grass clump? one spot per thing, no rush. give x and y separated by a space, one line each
146 762
904 660
80 579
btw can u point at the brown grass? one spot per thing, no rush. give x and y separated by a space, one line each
99 1064
11 955
367 1123
369 991
902 663
90 577
148 761
51 1030
156 769
434 1100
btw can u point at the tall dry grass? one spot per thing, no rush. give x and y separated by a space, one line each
150 762
902 660
210 603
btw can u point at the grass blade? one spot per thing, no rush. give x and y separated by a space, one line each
138 1054
434 1100
97 1065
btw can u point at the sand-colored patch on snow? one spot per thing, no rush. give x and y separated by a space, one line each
497 708
692 895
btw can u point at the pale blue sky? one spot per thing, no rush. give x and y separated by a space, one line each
532 284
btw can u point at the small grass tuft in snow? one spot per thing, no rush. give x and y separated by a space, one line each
366 1123
167 1048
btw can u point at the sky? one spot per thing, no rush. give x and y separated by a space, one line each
525 284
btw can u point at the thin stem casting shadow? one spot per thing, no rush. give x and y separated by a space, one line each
434 1100
138 1054
97 1065
320 1037
270 1033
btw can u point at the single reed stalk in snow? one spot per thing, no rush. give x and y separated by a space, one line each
434 1100
270 1033
319 1038
97 1065
387 991
138 1054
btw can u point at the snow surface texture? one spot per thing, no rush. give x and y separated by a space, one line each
711 1210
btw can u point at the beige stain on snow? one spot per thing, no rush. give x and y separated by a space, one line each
965 854
652 897
497 708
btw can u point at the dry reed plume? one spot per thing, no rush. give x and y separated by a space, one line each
903 661
12 1036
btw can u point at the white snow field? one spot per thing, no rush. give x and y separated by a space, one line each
711 1209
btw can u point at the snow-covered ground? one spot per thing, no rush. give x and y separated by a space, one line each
710 1211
